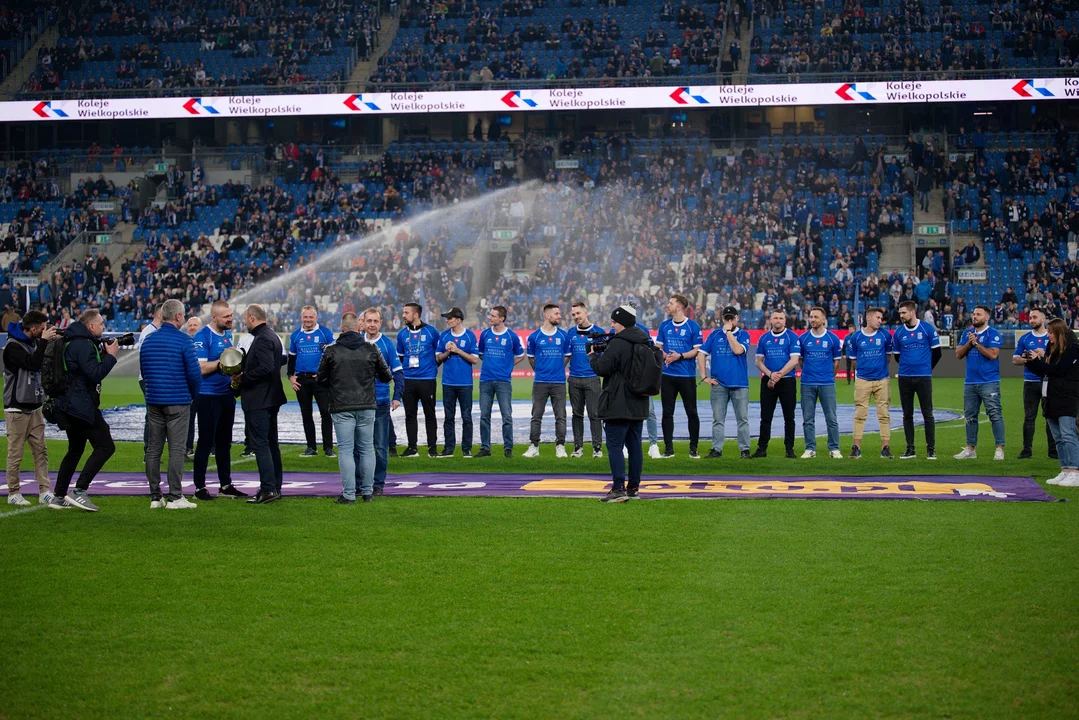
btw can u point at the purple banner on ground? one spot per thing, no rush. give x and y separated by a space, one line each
888 487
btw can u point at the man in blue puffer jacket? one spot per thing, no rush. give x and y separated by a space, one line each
169 392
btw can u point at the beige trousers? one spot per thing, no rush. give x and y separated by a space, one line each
26 428
864 390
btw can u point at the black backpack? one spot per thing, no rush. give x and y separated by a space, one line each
54 369
645 370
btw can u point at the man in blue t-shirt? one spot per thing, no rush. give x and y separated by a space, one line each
1036 339
548 354
385 403
777 358
584 385
917 347
457 353
215 406
501 349
305 348
820 352
727 348
981 347
869 349
416 344
680 339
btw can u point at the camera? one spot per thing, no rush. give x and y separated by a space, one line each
125 340
599 340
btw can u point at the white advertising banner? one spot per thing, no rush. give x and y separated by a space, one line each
632 98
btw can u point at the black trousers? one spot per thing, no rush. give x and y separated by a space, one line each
1032 400
263 427
420 392
786 392
669 390
216 415
311 390
79 433
922 387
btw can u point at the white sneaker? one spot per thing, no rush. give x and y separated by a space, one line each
181 504
578 452
533 451
1069 480
998 454
653 451
966 454
598 454
157 504
45 498
560 451
17 499
1055 480
835 454
809 454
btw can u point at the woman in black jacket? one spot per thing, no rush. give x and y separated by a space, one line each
1058 365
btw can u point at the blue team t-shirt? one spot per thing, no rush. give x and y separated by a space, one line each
1030 341
308 346
550 353
871 350
499 352
456 371
777 350
416 349
579 366
915 347
389 354
680 338
208 347
980 369
732 371
818 357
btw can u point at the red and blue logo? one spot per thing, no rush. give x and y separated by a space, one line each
1023 88
850 92
356 103
196 106
46 110
680 95
514 100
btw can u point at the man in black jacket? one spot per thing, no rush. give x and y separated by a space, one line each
623 412
262 396
23 397
88 361
348 369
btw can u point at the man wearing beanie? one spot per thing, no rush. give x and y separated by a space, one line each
622 411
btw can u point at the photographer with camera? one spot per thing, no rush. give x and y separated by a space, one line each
623 411
23 397
727 349
87 360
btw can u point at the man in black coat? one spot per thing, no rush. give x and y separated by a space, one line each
88 361
623 412
262 396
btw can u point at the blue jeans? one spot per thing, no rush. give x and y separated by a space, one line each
489 390
624 434
739 398
1063 429
974 396
382 444
355 450
452 396
653 427
810 395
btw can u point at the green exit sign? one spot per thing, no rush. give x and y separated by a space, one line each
102 239
504 234
931 229
161 167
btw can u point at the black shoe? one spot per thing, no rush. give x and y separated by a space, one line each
484 452
379 491
745 455
410 452
432 452
1025 455
909 454
342 500
791 455
267 498
446 453
248 452
466 453
761 453
203 494
855 452
633 493
392 452
615 496
230 491
508 452
309 452
367 498
255 499
330 453
693 454
713 454
886 453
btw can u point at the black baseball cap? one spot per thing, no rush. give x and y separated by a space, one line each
730 310
454 313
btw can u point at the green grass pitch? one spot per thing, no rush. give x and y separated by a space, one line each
550 608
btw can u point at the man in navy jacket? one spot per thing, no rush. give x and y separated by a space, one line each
262 396
168 402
